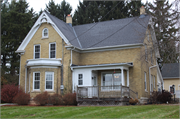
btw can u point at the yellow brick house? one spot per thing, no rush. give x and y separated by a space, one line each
97 59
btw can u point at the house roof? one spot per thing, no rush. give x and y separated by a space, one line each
108 33
170 70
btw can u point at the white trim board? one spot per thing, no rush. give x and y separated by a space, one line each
44 18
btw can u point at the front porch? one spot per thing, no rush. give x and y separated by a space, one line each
103 84
104 95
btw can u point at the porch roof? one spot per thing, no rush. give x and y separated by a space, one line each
114 65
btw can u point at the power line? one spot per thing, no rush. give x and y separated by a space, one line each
114 32
96 23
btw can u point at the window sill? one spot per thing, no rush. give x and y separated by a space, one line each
44 38
49 91
146 91
36 91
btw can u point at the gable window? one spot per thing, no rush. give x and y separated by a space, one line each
145 84
111 80
52 50
36 80
45 33
36 51
80 79
49 84
146 55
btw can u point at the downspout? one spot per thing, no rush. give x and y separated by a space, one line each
150 75
62 87
25 77
19 69
72 70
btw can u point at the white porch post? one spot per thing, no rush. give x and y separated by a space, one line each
127 78
122 76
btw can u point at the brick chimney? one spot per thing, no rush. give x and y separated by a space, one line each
142 10
69 19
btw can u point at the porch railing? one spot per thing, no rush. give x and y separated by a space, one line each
103 92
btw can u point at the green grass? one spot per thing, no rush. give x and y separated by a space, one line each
143 111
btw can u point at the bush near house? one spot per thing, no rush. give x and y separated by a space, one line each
70 99
133 101
22 98
160 97
56 99
8 92
42 99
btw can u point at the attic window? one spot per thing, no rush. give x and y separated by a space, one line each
45 33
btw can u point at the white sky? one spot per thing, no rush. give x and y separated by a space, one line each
37 5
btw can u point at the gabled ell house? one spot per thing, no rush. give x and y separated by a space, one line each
59 58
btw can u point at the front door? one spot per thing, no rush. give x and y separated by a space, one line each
95 87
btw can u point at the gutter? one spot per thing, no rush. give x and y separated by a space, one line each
103 48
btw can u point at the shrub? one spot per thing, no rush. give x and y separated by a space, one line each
160 97
69 99
8 92
164 97
22 98
133 101
42 99
56 99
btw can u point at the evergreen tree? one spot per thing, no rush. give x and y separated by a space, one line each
95 11
165 26
17 20
59 10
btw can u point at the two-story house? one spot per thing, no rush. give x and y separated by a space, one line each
58 58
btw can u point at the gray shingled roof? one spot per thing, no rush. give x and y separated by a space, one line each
108 33
170 70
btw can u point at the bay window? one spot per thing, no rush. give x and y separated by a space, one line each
49 81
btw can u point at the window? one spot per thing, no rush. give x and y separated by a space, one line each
52 50
146 55
111 80
80 79
151 83
151 57
36 80
145 84
45 33
49 76
36 51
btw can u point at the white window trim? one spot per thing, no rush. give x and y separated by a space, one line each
39 51
34 80
82 79
145 80
43 33
102 81
52 82
50 49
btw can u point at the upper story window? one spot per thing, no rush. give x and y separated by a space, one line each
146 54
151 56
36 51
52 50
45 33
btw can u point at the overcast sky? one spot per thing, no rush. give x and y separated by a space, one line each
37 5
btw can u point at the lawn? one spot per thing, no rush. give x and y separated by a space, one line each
144 111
